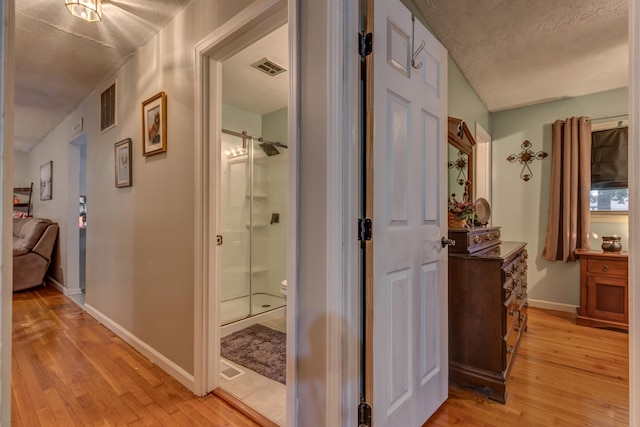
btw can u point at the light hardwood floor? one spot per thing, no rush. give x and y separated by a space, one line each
68 370
563 375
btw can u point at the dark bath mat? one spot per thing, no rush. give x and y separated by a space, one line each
258 348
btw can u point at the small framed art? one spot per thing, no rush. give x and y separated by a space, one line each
154 125
122 153
46 180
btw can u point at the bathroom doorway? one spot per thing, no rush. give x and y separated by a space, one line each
253 218
245 200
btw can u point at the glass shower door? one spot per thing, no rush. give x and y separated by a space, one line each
235 215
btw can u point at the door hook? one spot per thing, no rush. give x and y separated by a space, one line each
414 54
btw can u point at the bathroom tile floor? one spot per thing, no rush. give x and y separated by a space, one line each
262 394
238 308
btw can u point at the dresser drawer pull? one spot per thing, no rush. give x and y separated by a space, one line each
509 349
512 312
477 239
489 237
605 268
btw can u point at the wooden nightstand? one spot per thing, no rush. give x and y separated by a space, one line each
603 289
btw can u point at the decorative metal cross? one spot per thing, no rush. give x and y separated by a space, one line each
525 158
461 164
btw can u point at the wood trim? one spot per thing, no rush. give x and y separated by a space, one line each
634 212
368 208
341 241
334 229
7 38
244 408
292 206
465 145
201 222
601 254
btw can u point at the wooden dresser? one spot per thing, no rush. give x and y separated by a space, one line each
487 314
603 289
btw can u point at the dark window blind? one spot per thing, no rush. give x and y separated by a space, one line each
609 158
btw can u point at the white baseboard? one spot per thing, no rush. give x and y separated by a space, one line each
182 376
62 288
550 305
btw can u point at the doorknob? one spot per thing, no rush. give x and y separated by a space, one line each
446 242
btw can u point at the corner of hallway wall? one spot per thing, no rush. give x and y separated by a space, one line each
464 102
21 176
140 239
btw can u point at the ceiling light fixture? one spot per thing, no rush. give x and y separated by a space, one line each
89 10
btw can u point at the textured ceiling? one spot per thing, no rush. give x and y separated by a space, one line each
521 52
60 59
512 52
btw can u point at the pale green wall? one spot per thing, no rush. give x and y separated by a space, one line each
464 104
275 128
520 207
140 240
238 120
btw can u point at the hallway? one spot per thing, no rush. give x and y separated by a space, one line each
69 370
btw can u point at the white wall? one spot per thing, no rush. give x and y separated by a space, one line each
140 241
21 176
312 210
521 208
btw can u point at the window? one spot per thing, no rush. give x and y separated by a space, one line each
609 185
612 200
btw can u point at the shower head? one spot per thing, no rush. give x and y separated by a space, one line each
269 149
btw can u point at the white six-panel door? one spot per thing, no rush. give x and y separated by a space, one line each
410 362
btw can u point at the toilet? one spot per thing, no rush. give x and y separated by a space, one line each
283 288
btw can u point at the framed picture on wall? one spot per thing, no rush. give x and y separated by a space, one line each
154 125
46 180
122 157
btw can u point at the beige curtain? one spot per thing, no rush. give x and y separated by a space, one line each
569 214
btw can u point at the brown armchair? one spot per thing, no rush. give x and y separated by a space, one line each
33 242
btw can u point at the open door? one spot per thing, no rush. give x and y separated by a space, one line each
406 355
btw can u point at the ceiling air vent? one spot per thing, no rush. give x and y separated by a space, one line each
269 67
108 108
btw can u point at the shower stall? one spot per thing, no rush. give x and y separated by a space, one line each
253 223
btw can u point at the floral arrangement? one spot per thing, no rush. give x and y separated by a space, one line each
463 210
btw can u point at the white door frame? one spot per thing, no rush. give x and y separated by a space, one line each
72 235
254 22
634 212
482 168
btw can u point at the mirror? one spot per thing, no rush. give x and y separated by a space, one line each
460 160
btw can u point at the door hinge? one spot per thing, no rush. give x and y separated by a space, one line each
364 229
218 240
365 44
364 414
